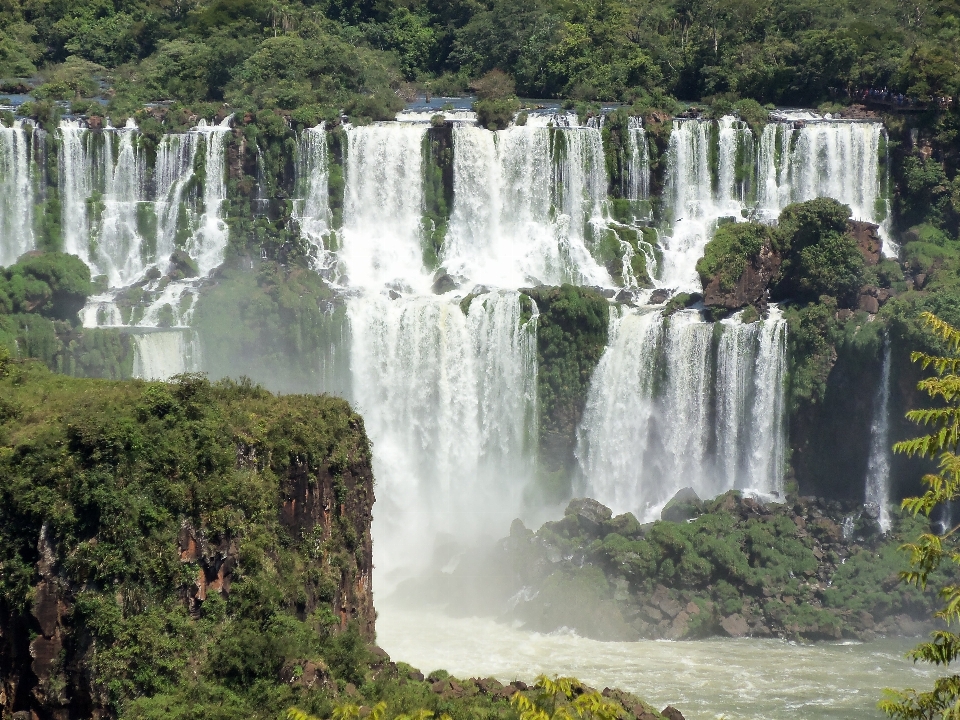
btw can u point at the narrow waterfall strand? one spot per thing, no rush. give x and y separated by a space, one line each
878 465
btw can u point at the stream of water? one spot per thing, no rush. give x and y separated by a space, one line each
742 679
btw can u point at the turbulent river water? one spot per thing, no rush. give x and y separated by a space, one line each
743 679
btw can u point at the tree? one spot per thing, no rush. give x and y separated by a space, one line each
932 549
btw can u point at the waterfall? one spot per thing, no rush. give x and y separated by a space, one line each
161 355
172 176
878 465
16 191
311 206
637 175
657 417
383 206
207 245
120 247
822 158
75 186
695 205
507 185
449 402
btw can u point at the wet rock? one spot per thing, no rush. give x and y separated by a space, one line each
660 296
182 266
685 505
443 283
394 295
734 625
589 514
671 713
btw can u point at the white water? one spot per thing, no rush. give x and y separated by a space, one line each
502 230
163 354
448 401
697 203
16 191
878 465
311 206
207 245
176 155
637 185
383 207
744 679
824 158
649 425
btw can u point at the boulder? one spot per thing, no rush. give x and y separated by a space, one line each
751 288
868 240
869 304
589 513
443 282
659 296
182 266
671 713
734 625
685 505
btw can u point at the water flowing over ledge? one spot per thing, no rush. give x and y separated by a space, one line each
440 344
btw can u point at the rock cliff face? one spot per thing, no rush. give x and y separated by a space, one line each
141 525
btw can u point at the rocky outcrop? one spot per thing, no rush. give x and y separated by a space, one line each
750 289
296 520
868 240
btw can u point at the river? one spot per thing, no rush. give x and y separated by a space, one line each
743 679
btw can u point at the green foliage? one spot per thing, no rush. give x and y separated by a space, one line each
110 473
732 247
820 257
571 337
496 113
558 699
933 550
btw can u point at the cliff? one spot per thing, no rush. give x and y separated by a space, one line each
154 536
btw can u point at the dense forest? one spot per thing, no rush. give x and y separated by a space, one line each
318 58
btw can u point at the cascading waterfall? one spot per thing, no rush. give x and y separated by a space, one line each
696 205
207 245
120 249
16 191
311 206
877 492
507 184
383 206
176 155
163 354
657 419
448 400
637 176
828 158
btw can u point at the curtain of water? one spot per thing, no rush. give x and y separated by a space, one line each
311 205
16 191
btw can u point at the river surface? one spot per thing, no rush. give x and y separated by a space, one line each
745 679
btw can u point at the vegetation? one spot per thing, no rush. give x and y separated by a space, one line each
731 248
356 53
148 515
933 550
737 567
571 337
40 297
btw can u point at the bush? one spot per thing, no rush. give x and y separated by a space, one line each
496 114
732 247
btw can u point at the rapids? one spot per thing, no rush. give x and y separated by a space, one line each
744 679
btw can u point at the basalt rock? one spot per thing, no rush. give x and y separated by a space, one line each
751 287
868 240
